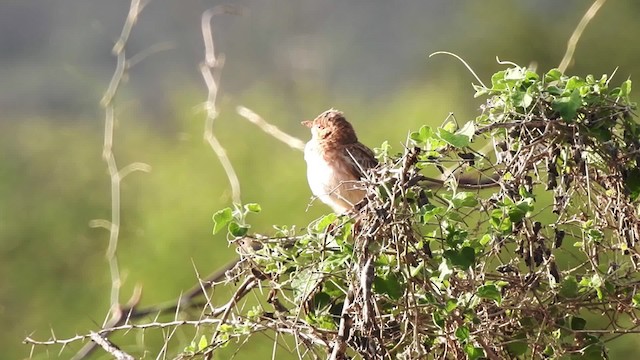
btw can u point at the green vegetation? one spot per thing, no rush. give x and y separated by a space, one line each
165 232
53 183
535 268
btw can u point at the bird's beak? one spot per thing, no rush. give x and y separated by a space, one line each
307 123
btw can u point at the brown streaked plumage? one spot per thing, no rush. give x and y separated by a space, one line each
336 161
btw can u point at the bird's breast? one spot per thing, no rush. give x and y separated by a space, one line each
321 173
329 177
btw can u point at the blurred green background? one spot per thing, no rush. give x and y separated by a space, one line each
287 61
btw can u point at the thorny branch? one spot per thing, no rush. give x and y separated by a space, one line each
116 175
211 69
108 330
110 347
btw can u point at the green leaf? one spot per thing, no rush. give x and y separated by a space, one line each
595 235
304 283
485 239
480 90
221 219
455 140
595 281
342 238
463 258
497 80
554 90
517 213
473 353
569 287
191 348
568 106
625 89
449 126
324 221
450 305
238 230
522 99
455 216
518 348
203 343
389 285
254 313
578 323
552 75
633 183
464 199
383 151
422 135
491 292
468 130
462 333
595 351
429 211
253 207
325 322
601 133
574 83
500 222
333 290
516 73
321 300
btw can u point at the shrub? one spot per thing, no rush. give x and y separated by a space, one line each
524 251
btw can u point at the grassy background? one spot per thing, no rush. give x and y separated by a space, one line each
287 63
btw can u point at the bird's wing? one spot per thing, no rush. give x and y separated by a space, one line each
364 157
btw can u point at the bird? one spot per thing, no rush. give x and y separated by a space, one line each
336 161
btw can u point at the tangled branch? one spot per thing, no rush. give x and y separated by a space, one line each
452 273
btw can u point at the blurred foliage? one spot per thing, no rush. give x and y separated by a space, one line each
55 65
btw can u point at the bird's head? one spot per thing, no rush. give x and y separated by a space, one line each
331 126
